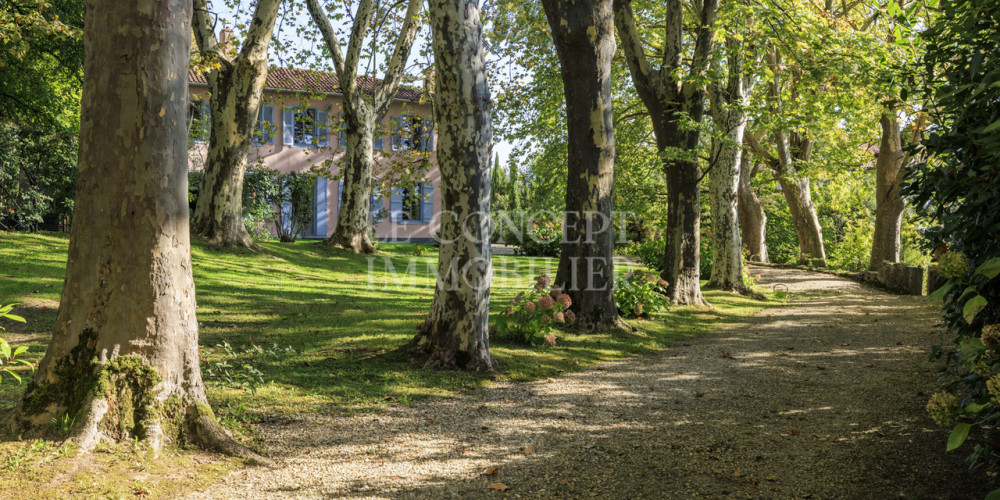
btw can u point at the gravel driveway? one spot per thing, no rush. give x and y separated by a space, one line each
822 398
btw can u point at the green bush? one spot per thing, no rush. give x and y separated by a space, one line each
259 186
639 294
541 239
37 176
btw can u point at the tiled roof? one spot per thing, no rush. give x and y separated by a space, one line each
315 80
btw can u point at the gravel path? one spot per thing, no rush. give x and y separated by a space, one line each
820 399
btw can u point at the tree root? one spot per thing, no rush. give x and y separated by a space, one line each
205 431
358 243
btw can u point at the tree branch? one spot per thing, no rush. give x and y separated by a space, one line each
395 69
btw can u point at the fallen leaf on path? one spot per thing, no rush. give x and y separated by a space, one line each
527 450
600 368
796 433
726 355
716 471
499 486
490 471
564 482
699 394
771 479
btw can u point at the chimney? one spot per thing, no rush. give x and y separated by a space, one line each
225 36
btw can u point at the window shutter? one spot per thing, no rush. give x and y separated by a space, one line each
288 131
340 195
206 123
426 202
397 133
396 206
320 209
377 143
322 129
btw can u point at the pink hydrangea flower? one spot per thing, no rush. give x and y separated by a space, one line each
550 340
546 302
558 316
508 311
570 317
564 300
530 307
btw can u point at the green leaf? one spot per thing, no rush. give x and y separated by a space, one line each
19 351
993 495
972 308
4 348
938 295
990 268
975 407
958 436
16 376
14 317
993 127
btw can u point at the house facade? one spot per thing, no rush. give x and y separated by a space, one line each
298 130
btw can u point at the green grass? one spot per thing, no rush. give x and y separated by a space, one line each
345 323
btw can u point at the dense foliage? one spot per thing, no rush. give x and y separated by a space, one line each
957 188
37 176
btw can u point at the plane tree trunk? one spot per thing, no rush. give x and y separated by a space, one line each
123 360
792 153
361 114
456 332
673 101
889 170
753 220
729 114
584 36
235 88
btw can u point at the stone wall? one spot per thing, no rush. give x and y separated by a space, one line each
901 278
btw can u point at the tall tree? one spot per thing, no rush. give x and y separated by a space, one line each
729 115
890 168
674 95
456 332
362 113
584 36
753 220
123 359
235 82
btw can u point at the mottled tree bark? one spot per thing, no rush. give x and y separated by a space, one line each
584 35
888 198
674 101
456 333
753 220
361 114
236 86
123 359
729 114
793 151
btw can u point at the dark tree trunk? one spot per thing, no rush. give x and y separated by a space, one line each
585 41
888 199
753 220
671 102
236 87
123 359
456 333
361 113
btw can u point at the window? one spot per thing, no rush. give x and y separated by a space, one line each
413 204
305 127
199 118
264 131
412 132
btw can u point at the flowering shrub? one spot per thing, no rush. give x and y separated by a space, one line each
639 294
953 265
541 239
530 316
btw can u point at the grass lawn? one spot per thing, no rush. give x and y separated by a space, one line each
345 316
